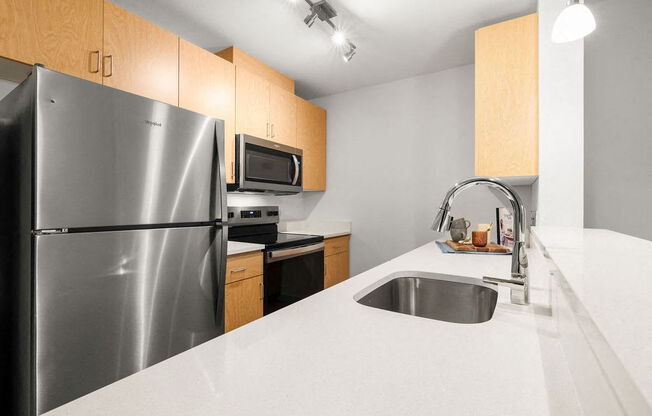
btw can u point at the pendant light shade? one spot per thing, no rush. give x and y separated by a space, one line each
574 22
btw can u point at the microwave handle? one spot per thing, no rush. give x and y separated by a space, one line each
296 170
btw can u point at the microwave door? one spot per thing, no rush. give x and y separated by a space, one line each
268 166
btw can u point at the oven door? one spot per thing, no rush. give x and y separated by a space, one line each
292 274
266 166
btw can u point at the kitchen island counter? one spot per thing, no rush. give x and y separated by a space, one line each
329 355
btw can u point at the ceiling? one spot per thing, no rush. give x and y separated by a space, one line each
395 38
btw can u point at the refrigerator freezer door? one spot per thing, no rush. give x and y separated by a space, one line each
108 304
106 158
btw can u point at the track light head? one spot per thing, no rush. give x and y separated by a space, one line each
349 55
310 19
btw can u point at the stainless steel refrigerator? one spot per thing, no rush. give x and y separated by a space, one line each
112 246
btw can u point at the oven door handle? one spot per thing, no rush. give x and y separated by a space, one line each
278 255
296 170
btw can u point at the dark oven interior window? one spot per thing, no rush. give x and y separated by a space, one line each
288 281
267 165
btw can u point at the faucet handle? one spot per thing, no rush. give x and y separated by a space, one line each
517 284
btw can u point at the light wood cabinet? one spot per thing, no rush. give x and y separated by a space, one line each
282 116
336 260
251 104
244 266
207 86
63 35
506 98
244 290
311 137
243 302
263 109
336 269
245 61
139 57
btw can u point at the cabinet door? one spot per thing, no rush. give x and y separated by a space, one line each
207 86
251 104
282 116
63 35
140 57
506 98
243 302
311 138
336 269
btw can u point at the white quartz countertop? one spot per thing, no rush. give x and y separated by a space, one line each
611 275
329 355
235 247
327 229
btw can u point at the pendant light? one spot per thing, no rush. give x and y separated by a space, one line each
574 22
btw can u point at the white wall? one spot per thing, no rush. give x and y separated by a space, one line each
561 125
618 117
393 151
6 87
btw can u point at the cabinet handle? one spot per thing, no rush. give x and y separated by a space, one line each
267 130
273 132
110 67
336 246
97 62
239 270
232 170
261 285
325 269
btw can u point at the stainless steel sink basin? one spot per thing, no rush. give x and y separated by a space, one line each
436 296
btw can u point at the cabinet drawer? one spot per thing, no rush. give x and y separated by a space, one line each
244 266
336 245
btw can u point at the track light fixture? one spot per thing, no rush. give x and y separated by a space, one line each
347 56
325 12
310 19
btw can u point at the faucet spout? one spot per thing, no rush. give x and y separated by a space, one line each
519 273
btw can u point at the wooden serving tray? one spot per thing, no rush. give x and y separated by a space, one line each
489 248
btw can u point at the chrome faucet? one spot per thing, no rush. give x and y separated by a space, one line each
518 283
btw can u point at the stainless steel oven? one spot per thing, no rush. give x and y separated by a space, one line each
265 166
292 274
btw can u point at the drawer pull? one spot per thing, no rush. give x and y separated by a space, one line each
239 270
97 65
336 246
110 66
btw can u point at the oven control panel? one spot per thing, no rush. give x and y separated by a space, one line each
253 215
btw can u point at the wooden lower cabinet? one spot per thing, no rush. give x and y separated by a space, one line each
336 260
244 292
243 302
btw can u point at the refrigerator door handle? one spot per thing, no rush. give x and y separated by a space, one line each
218 199
220 280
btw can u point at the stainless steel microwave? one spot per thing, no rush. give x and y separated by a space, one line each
265 166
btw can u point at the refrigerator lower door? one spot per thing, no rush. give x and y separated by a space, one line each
109 304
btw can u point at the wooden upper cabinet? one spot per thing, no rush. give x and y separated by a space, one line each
207 86
242 60
311 137
507 98
251 104
63 35
140 57
282 116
